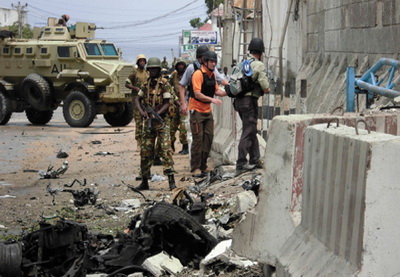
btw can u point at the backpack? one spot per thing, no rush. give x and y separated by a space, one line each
241 81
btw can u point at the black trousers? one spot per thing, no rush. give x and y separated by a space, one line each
247 107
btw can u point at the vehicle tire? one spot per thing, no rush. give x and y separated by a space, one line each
10 259
122 117
5 108
78 109
38 117
37 92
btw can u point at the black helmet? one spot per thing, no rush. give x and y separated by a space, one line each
201 50
210 55
257 44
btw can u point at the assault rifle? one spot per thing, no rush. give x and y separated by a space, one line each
152 114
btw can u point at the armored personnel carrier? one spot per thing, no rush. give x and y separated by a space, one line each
65 67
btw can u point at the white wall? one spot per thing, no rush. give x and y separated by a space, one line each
9 16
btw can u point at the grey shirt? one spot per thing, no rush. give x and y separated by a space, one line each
187 76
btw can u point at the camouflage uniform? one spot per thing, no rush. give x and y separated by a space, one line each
177 119
138 78
157 131
164 64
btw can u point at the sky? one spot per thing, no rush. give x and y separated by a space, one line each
150 27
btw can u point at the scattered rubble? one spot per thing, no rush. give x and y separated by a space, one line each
162 263
62 155
182 237
53 174
103 153
222 257
7 196
81 197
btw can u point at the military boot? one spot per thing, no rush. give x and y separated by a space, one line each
185 149
144 185
171 181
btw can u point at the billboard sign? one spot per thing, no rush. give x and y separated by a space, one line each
186 36
203 37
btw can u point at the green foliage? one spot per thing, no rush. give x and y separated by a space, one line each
27 32
196 22
212 4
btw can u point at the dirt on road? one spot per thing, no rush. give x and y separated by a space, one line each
25 149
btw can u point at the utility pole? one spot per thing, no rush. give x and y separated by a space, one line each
20 8
227 42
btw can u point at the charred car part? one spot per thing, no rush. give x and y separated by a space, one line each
81 197
253 184
53 250
53 174
67 249
197 210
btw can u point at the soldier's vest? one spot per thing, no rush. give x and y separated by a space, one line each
154 97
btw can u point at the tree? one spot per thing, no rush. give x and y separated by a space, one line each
212 5
26 30
196 22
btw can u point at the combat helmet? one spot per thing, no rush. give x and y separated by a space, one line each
210 56
256 44
201 50
154 62
140 56
180 61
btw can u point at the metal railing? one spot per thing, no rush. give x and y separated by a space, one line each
369 84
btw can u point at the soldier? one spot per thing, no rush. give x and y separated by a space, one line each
153 103
138 77
177 120
164 63
63 20
174 62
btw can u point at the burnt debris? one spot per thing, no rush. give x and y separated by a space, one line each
81 197
50 173
68 249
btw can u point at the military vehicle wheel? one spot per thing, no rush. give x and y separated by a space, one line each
5 108
120 118
38 117
37 92
78 109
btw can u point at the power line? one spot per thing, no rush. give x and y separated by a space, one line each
152 19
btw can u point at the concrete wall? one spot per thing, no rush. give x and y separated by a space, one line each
342 33
227 132
264 231
349 219
326 38
329 36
